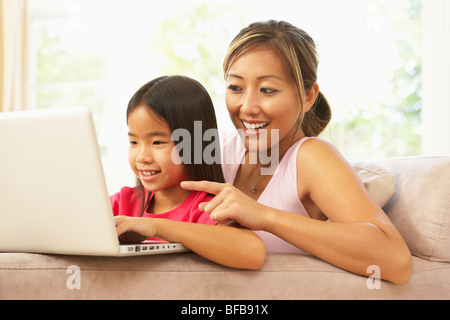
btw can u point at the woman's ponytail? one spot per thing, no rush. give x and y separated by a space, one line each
317 118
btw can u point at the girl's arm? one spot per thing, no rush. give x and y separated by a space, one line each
358 235
226 245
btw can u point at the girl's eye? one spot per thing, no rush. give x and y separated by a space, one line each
268 91
133 143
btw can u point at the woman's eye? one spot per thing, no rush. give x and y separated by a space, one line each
268 91
158 143
234 88
133 143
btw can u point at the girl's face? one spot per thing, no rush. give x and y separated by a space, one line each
261 95
150 154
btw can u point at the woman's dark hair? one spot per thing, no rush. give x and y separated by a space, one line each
181 102
298 51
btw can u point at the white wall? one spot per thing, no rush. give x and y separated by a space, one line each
436 78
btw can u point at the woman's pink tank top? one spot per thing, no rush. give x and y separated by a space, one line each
281 192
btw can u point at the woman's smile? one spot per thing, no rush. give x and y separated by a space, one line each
254 125
261 98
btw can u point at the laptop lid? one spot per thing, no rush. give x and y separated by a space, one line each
53 195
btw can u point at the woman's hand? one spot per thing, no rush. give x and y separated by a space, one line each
230 204
134 230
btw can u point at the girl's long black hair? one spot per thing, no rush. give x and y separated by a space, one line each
181 102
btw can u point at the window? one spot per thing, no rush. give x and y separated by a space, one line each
97 53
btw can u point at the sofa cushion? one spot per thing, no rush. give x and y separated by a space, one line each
378 180
191 277
420 208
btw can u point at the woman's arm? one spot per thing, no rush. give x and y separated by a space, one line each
358 234
226 245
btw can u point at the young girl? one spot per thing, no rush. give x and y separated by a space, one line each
158 207
313 201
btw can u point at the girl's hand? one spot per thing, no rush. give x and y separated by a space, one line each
229 204
134 230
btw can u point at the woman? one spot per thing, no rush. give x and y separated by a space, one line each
313 201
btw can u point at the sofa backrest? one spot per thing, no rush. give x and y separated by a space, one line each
420 207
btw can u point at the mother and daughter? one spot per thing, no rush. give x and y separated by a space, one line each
232 214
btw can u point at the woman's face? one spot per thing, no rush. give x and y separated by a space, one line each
261 97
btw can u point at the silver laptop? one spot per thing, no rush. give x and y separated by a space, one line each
53 194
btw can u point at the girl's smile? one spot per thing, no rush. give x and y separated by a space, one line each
148 176
150 154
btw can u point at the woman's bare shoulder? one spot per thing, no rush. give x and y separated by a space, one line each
319 163
318 151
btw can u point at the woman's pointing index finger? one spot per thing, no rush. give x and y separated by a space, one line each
205 186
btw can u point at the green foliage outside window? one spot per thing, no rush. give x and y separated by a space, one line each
194 43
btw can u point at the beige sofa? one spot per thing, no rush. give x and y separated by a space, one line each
420 209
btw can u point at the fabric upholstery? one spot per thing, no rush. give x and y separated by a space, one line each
420 209
379 181
188 276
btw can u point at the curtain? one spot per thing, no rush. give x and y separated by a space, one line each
14 33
